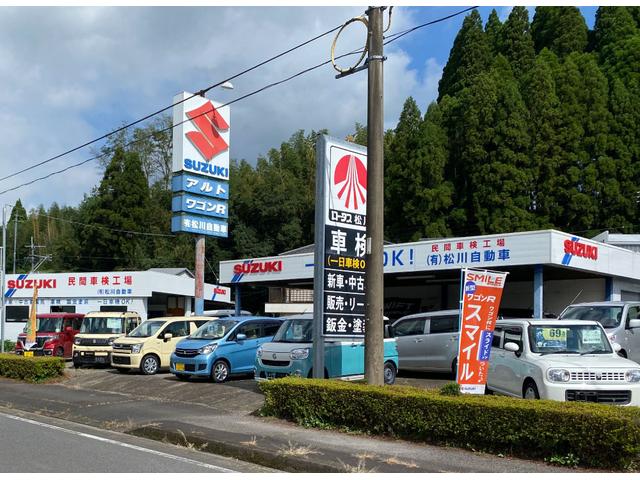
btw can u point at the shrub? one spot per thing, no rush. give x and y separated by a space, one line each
9 346
590 434
31 369
451 389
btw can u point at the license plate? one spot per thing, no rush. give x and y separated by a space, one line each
271 374
180 367
28 354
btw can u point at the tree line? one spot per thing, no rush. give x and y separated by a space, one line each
536 125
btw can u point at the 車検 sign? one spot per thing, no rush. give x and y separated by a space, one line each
341 238
200 183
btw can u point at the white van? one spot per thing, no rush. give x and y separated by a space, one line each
621 321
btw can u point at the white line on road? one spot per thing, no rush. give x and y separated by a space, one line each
121 444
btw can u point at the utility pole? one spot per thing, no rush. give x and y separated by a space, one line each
374 291
199 290
3 310
15 238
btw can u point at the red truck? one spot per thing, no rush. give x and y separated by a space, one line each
54 334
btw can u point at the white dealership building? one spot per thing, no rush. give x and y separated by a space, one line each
548 270
152 293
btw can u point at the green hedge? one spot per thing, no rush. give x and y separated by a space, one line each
31 369
596 435
9 346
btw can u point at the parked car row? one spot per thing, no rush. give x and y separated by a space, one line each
578 357
216 348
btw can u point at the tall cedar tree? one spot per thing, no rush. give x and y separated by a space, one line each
515 41
501 175
560 29
493 30
400 172
469 56
121 202
539 93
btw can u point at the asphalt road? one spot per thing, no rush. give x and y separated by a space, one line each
37 444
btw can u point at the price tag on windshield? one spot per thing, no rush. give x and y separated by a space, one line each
558 334
591 337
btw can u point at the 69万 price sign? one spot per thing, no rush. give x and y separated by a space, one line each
480 300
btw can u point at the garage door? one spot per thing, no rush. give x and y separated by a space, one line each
625 295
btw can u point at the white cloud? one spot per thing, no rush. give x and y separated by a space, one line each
72 74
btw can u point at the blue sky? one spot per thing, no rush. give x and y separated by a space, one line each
71 74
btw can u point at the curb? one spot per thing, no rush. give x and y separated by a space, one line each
247 453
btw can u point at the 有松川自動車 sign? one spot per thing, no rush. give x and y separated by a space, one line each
183 222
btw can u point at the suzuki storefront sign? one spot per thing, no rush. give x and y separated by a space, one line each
339 278
200 165
480 300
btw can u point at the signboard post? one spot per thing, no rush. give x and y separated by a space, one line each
481 292
340 244
200 183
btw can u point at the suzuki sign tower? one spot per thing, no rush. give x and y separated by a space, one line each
200 182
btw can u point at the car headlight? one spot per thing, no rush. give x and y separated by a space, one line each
259 352
558 375
299 353
136 348
207 349
76 341
632 376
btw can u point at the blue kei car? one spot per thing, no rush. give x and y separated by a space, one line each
222 347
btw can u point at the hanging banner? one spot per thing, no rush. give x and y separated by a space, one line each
31 324
481 293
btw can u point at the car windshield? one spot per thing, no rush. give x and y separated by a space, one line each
49 325
101 325
296 330
214 329
548 339
608 316
146 329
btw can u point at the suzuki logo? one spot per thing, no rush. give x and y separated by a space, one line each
258 267
350 179
208 121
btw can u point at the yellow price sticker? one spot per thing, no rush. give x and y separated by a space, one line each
559 334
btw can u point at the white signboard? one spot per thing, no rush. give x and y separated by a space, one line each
546 247
201 136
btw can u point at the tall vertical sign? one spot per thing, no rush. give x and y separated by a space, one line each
341 219
481 292
200 182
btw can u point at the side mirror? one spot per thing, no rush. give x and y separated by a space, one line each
635 323
240 337
168 336
616 347
511 347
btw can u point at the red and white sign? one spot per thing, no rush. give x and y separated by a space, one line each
481 295
347 185
249 268
201 136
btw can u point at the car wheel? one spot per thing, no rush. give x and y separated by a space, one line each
149 365
182 376
454 368
389 372
220 371
122 370
530 391
59 352
76 365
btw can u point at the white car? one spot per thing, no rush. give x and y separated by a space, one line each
566 360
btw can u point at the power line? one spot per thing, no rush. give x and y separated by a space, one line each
255 92
397 36
157 112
